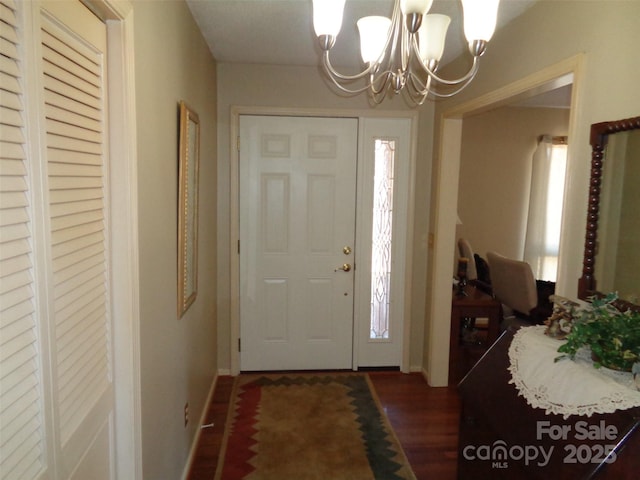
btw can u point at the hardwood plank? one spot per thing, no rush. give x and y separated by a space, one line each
425 420
208 450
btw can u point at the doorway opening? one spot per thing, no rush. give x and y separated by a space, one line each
444 229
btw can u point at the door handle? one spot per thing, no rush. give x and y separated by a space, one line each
346 267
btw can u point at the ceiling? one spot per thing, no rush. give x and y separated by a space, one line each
557 98
280 32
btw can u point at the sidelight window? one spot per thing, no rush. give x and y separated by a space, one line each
381 238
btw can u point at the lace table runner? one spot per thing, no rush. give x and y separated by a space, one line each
565 387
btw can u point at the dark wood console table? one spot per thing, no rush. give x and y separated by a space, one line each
492 414
475 304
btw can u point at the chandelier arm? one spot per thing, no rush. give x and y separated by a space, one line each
326 62
400 54
369 86
392 36
376 78
406 48
467 77
427 89
348 90
417 95
396 33
378 97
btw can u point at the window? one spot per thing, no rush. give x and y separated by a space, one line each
381 237
544 222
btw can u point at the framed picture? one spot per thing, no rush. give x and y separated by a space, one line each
188 208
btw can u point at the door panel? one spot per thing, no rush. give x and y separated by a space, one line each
297 212
73 68
376 350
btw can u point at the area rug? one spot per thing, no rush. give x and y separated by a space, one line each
308 426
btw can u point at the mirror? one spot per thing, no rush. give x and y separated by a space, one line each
611 254
188 208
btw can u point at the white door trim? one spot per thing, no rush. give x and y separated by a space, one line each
118 16
234 207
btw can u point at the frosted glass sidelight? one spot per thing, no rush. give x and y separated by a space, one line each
381 238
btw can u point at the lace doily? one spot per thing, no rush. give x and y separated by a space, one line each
565 387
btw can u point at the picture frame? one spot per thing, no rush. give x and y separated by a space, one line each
188 170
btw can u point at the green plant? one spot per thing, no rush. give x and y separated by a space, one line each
612 336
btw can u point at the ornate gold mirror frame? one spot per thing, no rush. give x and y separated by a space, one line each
188 208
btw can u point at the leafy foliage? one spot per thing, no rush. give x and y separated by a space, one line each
612 336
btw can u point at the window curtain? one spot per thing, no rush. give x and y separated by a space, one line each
546 196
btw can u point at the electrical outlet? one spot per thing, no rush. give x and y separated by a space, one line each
186 414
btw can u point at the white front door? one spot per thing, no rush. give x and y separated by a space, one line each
297 230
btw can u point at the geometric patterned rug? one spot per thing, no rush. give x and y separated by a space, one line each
308 426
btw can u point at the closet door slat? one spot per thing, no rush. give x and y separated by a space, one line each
22 449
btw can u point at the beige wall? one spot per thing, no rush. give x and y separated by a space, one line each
303 88
177 356
607 33
550 32
495 174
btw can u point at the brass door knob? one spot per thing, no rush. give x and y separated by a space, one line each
345 268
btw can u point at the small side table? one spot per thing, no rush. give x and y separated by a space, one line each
475 304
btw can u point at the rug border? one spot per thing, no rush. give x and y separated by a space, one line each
227 427
388 424
372 390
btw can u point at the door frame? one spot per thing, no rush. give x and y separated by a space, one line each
123 184
446 195
234 221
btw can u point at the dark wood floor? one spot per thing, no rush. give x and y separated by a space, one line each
425 420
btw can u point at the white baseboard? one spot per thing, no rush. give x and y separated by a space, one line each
425 375
196 440
224 372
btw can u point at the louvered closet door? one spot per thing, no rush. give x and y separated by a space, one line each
73 94
21 404
56 362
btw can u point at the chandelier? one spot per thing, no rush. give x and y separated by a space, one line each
403 53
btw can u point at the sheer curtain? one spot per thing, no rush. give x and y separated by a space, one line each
546 196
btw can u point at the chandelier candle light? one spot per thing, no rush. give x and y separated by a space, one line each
404 52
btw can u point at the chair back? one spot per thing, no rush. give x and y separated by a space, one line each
513 283
465 250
